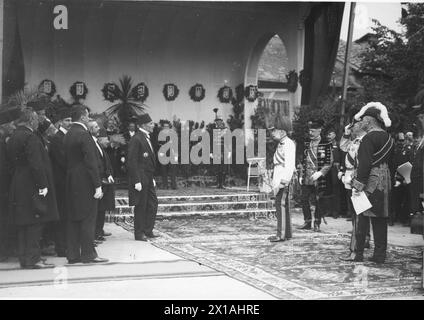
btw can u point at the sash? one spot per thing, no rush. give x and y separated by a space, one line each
383 152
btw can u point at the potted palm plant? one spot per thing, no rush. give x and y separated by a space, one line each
128 106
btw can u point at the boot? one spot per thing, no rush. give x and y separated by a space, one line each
316 226
306 226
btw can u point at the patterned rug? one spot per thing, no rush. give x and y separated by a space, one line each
306 267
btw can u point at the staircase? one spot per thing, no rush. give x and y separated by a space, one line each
232 203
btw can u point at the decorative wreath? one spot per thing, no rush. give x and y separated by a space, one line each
47 87
225 94
170 91
78 90
197 92
292 80
110 92
251 93
140 92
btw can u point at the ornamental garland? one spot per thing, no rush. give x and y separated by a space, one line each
225 94
110 92
78 90
47 87
140 92
170 91
251 93
292 80
197 92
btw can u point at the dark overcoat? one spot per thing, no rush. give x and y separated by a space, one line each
57 156
82 173
141 165
31 171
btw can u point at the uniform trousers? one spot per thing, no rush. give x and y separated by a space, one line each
282 207
379 228
307 192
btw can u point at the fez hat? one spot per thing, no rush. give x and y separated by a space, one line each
63 113
376 110
315 124
9 115
144 118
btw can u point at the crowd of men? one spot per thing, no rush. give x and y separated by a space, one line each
57 181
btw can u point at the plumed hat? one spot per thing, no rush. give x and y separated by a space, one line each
9 115
144 118
377 110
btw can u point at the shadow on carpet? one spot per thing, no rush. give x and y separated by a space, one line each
305 267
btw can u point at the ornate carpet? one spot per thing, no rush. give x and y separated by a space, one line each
306 267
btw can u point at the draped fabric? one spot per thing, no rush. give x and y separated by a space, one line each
322 33
13 61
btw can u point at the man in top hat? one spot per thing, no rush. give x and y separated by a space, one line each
317 160
58 159
141 189
83 189
284 167
6 129
32 192
374 168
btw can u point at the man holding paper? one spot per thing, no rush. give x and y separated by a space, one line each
284 167
374 164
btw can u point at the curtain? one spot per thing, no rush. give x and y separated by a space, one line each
322 33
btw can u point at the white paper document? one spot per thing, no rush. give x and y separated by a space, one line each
360 202
405 171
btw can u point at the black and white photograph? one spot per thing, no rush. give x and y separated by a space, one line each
212 151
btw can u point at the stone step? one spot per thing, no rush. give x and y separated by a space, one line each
246 213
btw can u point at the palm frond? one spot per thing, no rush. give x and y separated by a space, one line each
126 86
23 96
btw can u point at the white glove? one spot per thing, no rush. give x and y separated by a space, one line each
154 183
347 129
98 194
340 175
43 192
138 186
397 184
110 179
301 181
316 175
123 159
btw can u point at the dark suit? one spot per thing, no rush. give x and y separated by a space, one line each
82 178
107 202
57 156
31 171
141 168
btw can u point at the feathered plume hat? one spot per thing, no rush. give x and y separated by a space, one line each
377 110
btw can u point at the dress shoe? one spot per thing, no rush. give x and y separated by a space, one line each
40 265
306 226
141 238
73 261
350 257
316 227
106 234
97 260
151 235
276 239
